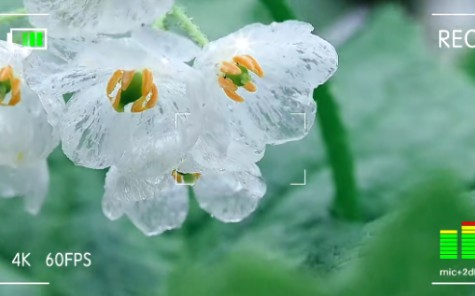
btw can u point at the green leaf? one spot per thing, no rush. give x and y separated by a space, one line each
403 257
243 273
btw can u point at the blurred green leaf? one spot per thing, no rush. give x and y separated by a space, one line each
403 257
244 273
280 10
218 18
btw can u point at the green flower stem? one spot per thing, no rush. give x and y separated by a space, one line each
8 18
346 204
187 24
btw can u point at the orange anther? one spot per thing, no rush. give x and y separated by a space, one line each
116 101
127 77
227 84
153 98
149 91
16 92
116 77
177 176
257 67
6 73
138 106
234 96
147 81
250 63
7 77
147 101
230 68
251 87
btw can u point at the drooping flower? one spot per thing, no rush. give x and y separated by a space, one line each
159 203
89 18
127 100
26 137
258 90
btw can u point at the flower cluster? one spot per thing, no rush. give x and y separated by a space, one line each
164 114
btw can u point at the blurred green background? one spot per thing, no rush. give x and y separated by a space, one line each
411 130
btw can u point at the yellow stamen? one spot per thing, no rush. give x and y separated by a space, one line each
11 86
149 91
230 68
116 100
234 96
116 77
250 63
16 92
180 177
153 98
6 73
147 81
227 83
257 67
250 87
235 75
127 77
139 105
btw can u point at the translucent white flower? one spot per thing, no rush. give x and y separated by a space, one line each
26 136
258 90
29 181
157 204
127 101
74 18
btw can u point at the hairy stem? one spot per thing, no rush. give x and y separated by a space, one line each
187 24
346 204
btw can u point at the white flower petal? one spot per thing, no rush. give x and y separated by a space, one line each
294 62
92 132
30 137
230 196
167 44
153 205
89 18
165 134
30 182
51 77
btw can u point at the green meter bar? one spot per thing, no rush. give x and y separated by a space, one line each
32 38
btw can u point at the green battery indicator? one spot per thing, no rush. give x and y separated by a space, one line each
31 38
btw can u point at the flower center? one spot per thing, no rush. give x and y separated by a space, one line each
236 74
132 87
9 85
185 179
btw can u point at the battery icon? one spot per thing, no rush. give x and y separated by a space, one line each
33 38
